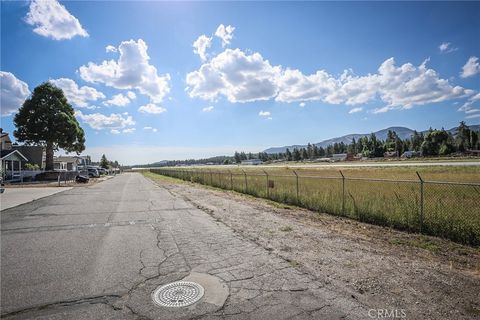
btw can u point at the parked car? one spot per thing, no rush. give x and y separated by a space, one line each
93 173
2 189
102 171
81 179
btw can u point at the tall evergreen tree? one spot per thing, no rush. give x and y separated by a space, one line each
104 162
47 119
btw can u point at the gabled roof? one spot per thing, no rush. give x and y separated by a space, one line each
8 153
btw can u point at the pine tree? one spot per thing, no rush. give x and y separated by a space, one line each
47 119
104 162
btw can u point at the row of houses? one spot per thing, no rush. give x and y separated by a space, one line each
20 161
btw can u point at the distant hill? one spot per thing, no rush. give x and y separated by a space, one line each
402 132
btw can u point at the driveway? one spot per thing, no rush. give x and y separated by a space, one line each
99 252
13 197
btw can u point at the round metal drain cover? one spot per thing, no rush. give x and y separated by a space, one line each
178 294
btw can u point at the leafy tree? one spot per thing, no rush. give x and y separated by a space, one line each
463 137
288 155
47 119
310 151
416 141
303 154
321 152
296 155
104 162
435 140
315 151
237 157
474 140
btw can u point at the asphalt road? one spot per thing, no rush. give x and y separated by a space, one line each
99 252
13 197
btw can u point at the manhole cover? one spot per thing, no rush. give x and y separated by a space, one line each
178 294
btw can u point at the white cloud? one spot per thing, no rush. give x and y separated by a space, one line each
355 110
151 108
52 20
129 130
264 113
471 68
446 47
201 45
78 96
208 109
302 104
100 121
115 131
382 109
150 129
131 95
468 107
473 116
243 78
235 75
110 48
225 33
118 100
13 93
132 71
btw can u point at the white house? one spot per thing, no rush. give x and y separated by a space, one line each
67 163
252 162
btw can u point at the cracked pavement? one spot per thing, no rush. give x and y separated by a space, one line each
98 252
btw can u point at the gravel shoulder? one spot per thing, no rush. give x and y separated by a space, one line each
427 277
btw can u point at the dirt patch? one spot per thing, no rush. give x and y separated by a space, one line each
427 277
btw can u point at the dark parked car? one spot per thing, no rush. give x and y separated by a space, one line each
81 179
93 173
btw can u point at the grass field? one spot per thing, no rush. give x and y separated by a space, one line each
446 204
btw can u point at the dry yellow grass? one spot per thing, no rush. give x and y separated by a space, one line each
388 196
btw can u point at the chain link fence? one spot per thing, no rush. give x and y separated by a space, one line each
445 209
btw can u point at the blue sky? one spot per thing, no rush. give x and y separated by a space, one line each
274 74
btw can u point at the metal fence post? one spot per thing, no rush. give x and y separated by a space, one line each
296 178
268 191
246 184
343 192
421 200
231 180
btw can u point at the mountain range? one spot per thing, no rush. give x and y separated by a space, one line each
402 132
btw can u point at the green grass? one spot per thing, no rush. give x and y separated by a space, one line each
385 196
422 242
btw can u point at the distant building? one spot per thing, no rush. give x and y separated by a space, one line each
252 162
11 160
411 154
472 152
5 142
67 163
12 165
84 160
339 157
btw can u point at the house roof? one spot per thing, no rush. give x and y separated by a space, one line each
8 153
